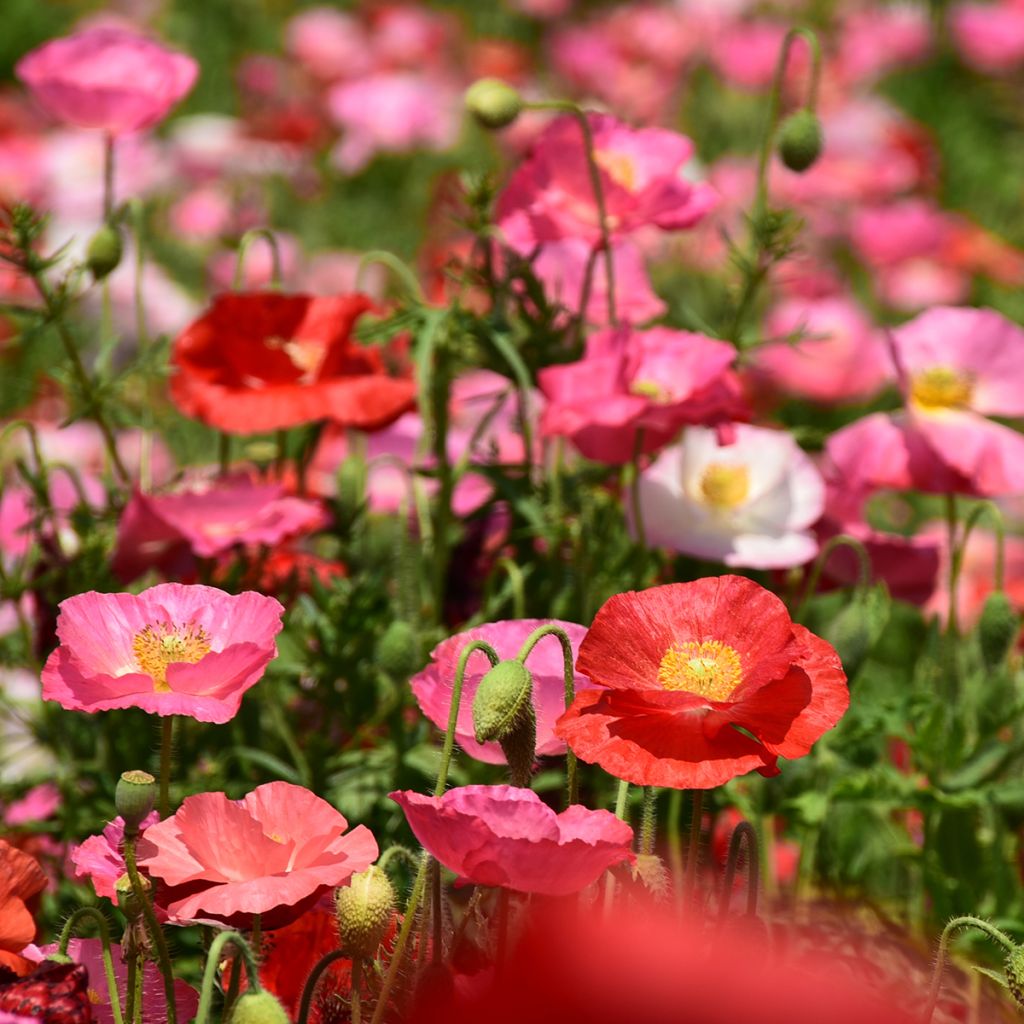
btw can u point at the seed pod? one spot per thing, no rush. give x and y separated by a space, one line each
104 251
134 796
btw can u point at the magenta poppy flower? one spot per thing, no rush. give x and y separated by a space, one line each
550 197
171 650
957 366
433 686
273 853
107 79
206 520
505 836
101 858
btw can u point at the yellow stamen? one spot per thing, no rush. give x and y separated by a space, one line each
708 668
725 486
306 354
650 389
162 644
941 387
618 167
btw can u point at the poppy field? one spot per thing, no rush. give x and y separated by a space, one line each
511 511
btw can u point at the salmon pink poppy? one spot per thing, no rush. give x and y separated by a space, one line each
273 853
687 666
107 79
255 362
171 650
508 837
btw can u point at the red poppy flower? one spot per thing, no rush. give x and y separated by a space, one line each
263 361
706 681
21 880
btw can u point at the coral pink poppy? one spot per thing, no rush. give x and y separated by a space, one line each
653 381
207 519
256 362
956 366
506 836
273 853
550 197
107 79
100 858
433 686
171 650
690 665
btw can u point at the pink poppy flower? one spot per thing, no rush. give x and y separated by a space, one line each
655 381
840 357
989 36
433 686
100 858
38 804
875 41
750 503
956 366
107 79
549 198
508 837
273 853
328 43
745 54
171 650
206 520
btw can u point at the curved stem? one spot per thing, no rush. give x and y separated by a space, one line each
156 933
966 921
999 526
569 670
397 851
840 540
243 250
309 989
213 958
92 914
515 579
744 832
399 268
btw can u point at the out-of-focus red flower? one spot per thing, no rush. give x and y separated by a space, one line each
690 665
21 879
256 362
51 994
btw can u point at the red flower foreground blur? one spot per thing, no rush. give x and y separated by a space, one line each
21 879
685 664
274 853
257 362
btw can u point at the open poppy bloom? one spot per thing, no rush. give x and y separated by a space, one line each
264 361
273 853
506 836
100 858
21 879
690 665
171 650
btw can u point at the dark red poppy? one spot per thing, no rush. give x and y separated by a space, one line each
264 361
706 681
52 994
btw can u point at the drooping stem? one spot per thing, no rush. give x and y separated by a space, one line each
966 921
213 959
156 933
92 914
166 748
992 510
108 177
742 834
649 820
568 669
276 277
814 577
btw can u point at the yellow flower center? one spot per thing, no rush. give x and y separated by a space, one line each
941 387
650 389
708 668
725 486
160 645
306 354
618 167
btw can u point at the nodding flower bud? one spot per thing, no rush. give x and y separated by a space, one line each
494 103
800 140
398 650
997 629
858 627
503 700
258 1007
364 909
134 796
104 251
1014 968
126 898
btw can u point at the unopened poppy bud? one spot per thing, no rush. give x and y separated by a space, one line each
364 909
398 650
997 629
134 796
258 1008
1014 968
800 140
858 626
494 103
503 699
126 898
104 251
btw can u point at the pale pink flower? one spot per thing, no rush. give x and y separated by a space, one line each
990 36
839 358
107 79
508 837
274 853
171 650
38 804
432 687
101 858
203 215
550 198
328 43
877 40
747 504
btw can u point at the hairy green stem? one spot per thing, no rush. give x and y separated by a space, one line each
213 958
649 820
92 914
